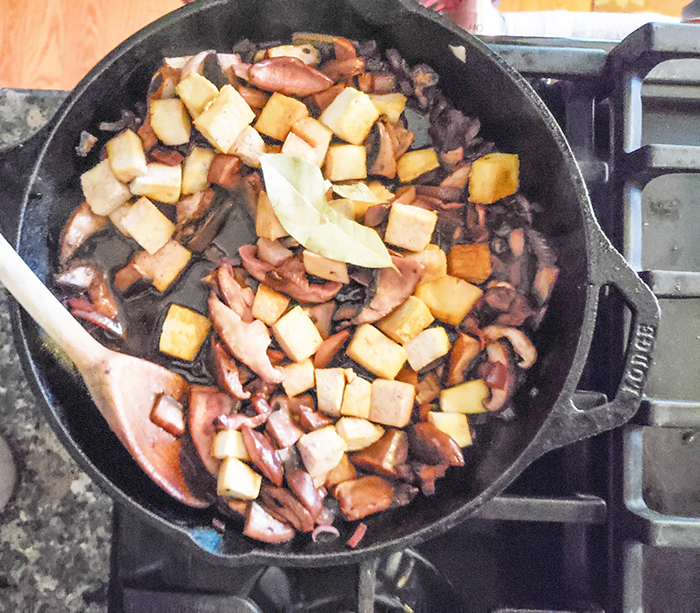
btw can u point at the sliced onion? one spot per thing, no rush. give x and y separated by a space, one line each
357 535
324 528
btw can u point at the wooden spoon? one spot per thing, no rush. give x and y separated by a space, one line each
123 387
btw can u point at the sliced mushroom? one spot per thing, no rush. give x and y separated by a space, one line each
361 497
246 341
384 163
228 373
262 454
262 526
236 296
498 356
82 224
394 286
433 446
205 408
521 344
385 456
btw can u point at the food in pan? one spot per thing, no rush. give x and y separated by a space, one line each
341 267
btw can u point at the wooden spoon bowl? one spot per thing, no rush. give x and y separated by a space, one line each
123 387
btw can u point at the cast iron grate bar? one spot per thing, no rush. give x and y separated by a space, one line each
651 161
673 283
669 413
642 523
578 509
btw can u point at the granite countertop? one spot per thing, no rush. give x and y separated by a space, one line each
55 531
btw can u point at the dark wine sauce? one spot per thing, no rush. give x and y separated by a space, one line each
143 308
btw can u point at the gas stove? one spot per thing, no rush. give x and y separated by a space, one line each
610 523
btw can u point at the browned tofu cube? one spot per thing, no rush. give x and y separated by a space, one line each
449 298
391 402
493 176
470 262
330 384
298 377
345 163
266 223
405 322
183 332
297 334
376 352
269 305
279 115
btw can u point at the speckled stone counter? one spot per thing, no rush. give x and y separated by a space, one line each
55 531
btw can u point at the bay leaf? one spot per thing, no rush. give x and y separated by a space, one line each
357 191
297 191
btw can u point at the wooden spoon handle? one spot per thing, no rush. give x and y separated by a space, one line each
45 308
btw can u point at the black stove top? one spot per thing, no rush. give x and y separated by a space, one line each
611 523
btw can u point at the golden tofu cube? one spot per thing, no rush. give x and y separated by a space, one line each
376 352
295 145
313 132
249 146
126 156
308 139
229 444
410 227
356 397
406 321
434 262
413 164
345 162
321 451
358 433
161 182
237 480
330 384
449 298
183 332
455 425
269 305
195 170
298 377
147 225
297 334
116 217
279 114
466 397
391 402
350 116
163 266
266 223
470 262
102 190
324 268
225 117
493 176
170 121
196 91
427 347
389 105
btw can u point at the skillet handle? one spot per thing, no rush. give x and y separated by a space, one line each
16 167
568 422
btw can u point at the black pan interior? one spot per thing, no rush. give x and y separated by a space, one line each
512 117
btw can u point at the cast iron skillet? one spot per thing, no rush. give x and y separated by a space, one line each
41 188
